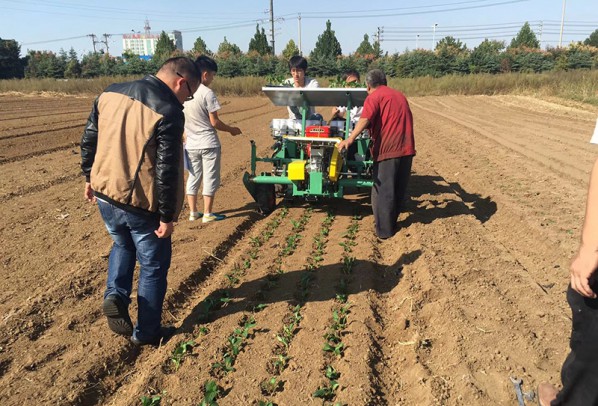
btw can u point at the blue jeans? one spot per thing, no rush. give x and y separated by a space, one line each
134 239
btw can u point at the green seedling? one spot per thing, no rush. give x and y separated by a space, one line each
225 367
265 403
211 393
151 400
327 392
258 308
181 350
255 242
270 386
202 331
337 349
281 363
284 340
332 373
341 297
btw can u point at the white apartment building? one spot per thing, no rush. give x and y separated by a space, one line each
144 45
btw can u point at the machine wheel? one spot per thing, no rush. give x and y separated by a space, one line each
265 196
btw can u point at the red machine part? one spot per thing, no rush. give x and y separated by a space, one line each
316 131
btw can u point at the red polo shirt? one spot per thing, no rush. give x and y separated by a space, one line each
391 124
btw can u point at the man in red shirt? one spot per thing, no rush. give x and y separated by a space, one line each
387 114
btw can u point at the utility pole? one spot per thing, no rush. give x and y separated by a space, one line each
105 42
416 41
272 25
299 20
93 41
562 24
434 36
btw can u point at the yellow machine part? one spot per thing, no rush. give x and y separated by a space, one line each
336 164
296 170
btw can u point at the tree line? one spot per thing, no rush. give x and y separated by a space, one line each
450 56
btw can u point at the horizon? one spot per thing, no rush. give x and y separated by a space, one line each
42 26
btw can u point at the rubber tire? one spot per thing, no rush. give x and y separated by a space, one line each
265 196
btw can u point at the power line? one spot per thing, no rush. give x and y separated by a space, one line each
363 16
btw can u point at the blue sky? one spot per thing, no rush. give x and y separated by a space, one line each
55 24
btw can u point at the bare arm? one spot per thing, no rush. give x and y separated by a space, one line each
585 262
219 125
361 125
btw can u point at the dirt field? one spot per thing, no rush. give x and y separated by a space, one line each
468 293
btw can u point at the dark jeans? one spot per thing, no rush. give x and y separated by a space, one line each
580 370
134 239
388 193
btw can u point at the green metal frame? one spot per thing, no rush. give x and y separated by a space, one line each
316 184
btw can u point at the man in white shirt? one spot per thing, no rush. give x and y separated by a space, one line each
203 146
298 67
350 76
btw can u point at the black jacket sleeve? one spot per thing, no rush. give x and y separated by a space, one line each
89 141
169 140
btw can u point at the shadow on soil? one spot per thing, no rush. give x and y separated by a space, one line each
299 286
432 197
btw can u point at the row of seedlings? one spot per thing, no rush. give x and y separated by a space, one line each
214 302
238 339
234 276
285 335
333 339
286 250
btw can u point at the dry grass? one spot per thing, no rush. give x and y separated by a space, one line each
581 85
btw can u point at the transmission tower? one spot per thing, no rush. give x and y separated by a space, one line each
147 27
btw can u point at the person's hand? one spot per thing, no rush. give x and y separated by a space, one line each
235 131
344 144
88 193
165 230
583 266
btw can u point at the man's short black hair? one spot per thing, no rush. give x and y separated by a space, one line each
375 78
206 64
298 62
183 66
350 72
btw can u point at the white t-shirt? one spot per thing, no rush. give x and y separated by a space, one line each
200 132
294 112
355 112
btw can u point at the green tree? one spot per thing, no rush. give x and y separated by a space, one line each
327 45
259 42
365 48
165 47
200 47
592 39
290 50
525 38
73 67
226 49
486 57
10 62
91 65
451 56
377 49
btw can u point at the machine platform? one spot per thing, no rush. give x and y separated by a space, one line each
299 96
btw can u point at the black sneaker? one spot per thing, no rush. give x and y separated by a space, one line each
165 333
118 315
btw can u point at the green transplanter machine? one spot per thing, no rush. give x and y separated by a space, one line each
305 161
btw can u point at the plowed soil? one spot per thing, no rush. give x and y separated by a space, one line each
469 292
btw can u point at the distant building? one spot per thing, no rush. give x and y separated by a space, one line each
144 44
